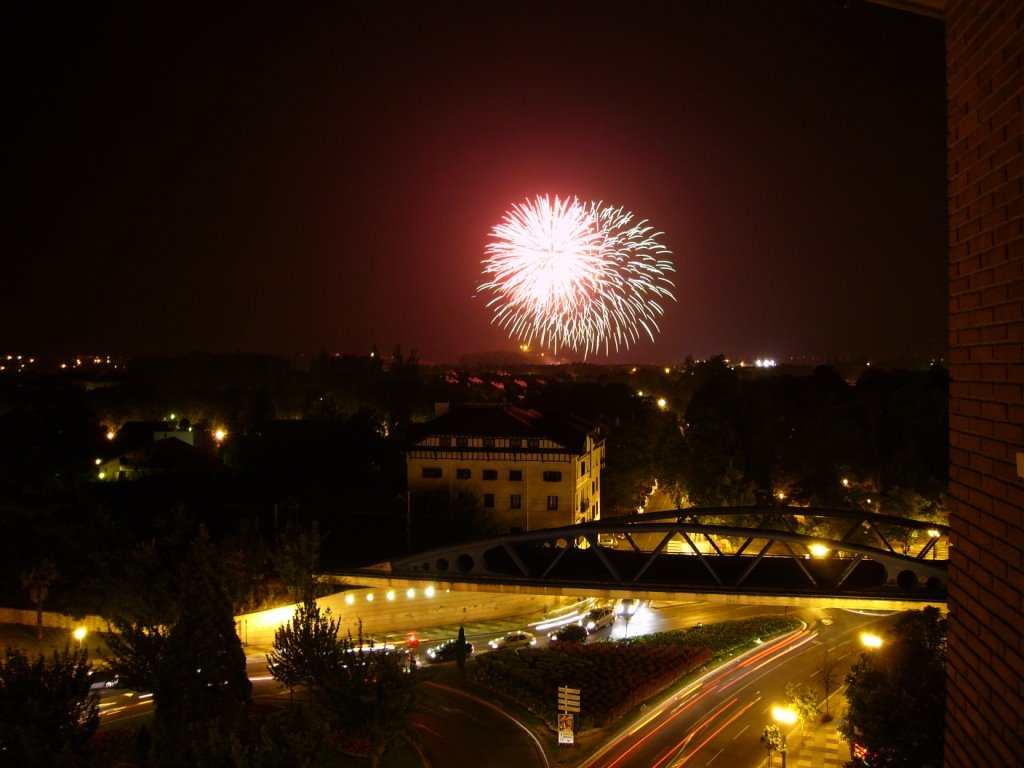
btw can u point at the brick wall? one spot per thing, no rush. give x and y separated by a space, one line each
985 87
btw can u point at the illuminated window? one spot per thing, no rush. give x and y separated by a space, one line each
432 472
552 502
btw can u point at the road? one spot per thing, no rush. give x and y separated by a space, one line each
718 720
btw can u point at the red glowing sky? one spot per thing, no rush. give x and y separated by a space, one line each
281 180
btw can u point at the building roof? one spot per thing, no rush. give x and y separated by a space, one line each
493 420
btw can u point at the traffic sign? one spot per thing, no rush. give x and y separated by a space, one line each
568 699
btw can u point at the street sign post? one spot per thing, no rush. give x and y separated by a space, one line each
568 699
568 702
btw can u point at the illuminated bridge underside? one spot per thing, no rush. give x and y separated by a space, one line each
682 554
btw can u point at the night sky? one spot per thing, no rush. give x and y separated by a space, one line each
324 178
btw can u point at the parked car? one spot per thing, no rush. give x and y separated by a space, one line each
446 651
518 639
570 633
597 618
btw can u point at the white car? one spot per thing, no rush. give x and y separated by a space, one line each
519 639
597 618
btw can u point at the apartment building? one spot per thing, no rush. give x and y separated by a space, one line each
526 469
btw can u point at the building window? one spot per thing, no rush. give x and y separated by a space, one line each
463 474
462 442
515 443
515 475
488 442
490 474
515 501
533 443
488 501
444 442
583 468
552 477
431 472
552 503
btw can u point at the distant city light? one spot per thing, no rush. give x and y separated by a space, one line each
765 362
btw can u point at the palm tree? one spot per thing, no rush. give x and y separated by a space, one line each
37 579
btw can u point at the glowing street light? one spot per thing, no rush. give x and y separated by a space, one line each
784 715
870 640
819 550
79 635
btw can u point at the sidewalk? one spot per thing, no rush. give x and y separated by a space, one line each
822 746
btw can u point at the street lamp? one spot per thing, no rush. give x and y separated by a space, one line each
785 716
870 640
79 635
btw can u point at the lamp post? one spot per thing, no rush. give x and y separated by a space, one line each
785 716
79 635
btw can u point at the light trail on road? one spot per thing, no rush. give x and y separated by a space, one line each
701 710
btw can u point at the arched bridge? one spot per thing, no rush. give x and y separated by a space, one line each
792 555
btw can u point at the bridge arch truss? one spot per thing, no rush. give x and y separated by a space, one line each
767 552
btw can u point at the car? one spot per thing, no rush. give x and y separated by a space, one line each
597 618
446 651
518 639
626 607
103 678
570 633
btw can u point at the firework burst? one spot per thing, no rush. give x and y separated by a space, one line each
576 275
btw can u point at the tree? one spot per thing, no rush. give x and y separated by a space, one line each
804 702
201 678
307 648
827 676
141 610
37 579
373 693
299 555
47 712
896 694
772 741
